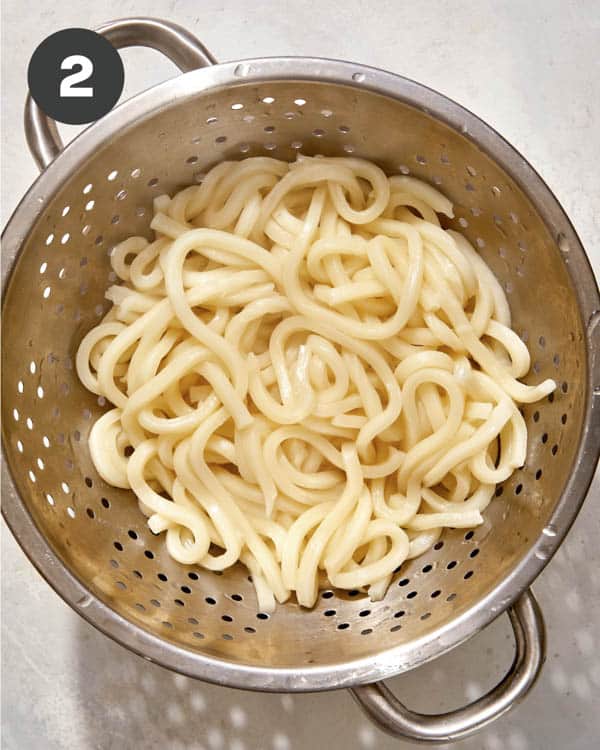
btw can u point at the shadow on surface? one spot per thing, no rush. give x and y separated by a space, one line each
130 703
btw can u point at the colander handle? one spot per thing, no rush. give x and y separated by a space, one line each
385 710
172 40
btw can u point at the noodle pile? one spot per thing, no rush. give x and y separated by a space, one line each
309 375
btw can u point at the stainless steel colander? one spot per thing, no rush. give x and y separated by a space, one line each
90 541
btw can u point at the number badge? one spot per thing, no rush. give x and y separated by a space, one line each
75 76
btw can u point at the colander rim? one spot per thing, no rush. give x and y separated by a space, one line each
404 656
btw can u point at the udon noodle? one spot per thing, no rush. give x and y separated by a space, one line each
309 375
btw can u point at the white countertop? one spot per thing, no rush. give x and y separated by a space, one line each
532 71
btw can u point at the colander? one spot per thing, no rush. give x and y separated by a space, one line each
90 541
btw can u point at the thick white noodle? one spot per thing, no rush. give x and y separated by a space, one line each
309 375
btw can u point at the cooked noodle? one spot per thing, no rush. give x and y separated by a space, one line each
309 375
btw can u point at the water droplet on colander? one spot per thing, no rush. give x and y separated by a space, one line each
84 601
544 550
358 77
40 199
242 70
563 245
550 530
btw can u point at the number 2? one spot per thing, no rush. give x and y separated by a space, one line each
67 84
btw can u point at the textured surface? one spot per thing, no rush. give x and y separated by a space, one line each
530 117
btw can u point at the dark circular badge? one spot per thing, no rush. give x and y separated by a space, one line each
75 76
